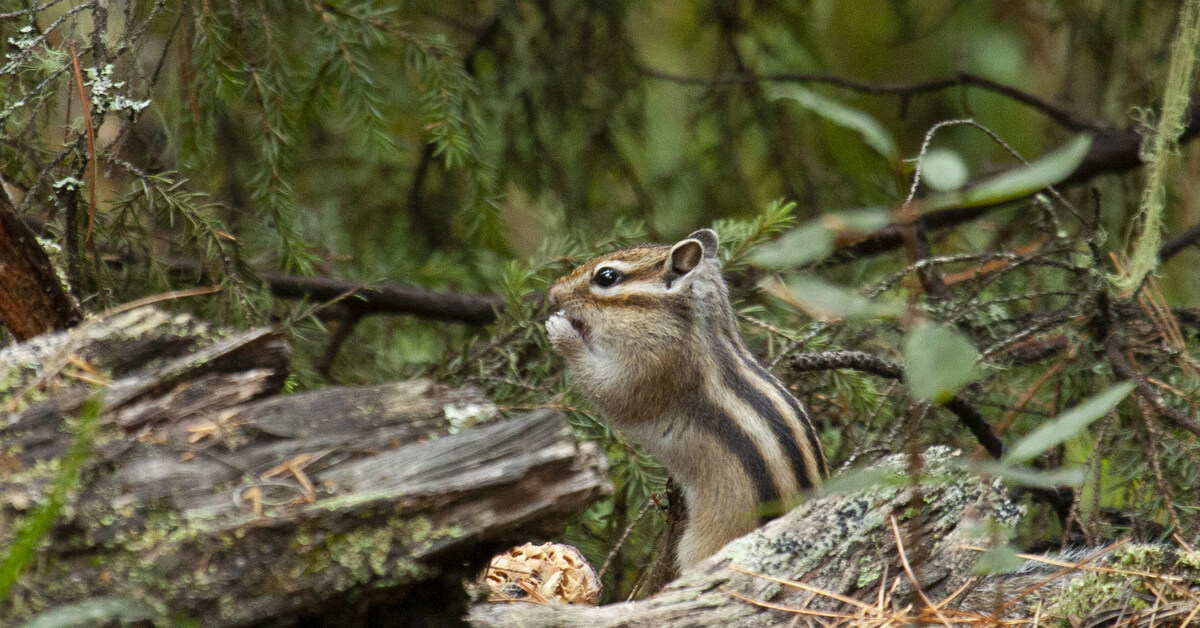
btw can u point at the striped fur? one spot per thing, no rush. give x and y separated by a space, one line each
659 352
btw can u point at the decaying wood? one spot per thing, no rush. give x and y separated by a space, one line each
846 551
32 299
211 496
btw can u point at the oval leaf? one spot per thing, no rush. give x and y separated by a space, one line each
999 559
938 360
943 170
825 301
1024 476
1019 182
800 245
840 114
1068 424
816 239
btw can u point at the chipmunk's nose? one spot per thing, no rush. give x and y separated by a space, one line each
555 291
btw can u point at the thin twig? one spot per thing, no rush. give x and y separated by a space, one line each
86 106
621 541
908 570
1114 350
967 414
905 90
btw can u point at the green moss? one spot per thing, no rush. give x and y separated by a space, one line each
364 554
1143 557
1189 559
1084 594
868 573
1087 592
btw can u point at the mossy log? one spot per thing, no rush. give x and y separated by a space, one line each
209 495
845 549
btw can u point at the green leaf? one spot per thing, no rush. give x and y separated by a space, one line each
1068 424
840 114
1025 476
938 360
1020 182
943 170
856 221
999 559
825 301
815 239
861 479
806 243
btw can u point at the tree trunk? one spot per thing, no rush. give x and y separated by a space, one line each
32 298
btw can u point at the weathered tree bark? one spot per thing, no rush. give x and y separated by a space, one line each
845 545
32 299
210 496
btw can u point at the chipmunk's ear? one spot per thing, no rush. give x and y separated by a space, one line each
685 255
708 241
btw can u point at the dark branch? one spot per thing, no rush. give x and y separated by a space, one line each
343 323
904 90
867 363
358 298
361 299
1179 243
1111 152
1121 365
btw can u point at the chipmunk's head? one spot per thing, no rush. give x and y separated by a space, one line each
627 317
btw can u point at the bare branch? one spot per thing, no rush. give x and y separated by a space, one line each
867 363
1180 242
1121 365
362 299
1112 151
905 91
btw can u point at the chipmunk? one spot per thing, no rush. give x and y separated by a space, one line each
649 333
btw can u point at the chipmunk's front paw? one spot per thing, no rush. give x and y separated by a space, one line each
567 335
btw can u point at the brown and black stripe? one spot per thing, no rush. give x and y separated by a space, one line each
794 444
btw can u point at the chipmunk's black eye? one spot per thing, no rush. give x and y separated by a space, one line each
607 277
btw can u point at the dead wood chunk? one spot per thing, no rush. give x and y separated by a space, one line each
223 537
546 574
218 371
209 495
118 346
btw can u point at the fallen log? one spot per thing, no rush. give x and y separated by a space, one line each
211 496
892 555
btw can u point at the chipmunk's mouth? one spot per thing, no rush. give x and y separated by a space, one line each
581 328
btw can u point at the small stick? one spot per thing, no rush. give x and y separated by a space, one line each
86 105
908 570
621 541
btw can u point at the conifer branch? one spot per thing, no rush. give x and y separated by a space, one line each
967 414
